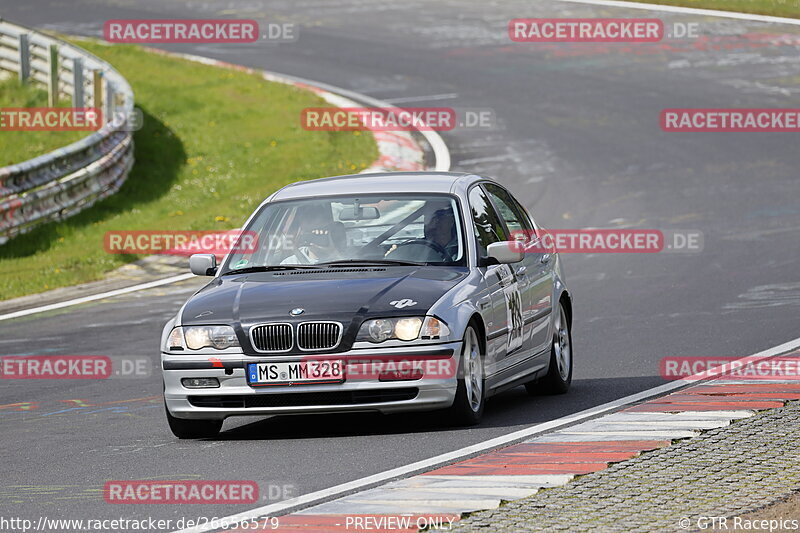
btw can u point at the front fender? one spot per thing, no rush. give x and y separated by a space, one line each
459 305
462 314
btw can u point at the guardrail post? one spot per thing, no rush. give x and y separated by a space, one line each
97 88
77 82
24 58
110 98
52 97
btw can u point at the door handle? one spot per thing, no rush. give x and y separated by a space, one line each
521 270
545 259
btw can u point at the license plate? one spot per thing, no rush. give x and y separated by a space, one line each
297 372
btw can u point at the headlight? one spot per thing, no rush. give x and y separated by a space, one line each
407 329
402 328
379 330
197 337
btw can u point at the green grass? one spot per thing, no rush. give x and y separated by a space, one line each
214 144
19 146
777 8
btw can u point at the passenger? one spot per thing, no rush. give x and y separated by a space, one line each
440 228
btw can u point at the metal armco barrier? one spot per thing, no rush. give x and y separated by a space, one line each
63 182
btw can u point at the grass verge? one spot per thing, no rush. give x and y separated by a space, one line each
19 146
775 8
214 144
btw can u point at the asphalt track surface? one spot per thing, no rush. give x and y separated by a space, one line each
577 139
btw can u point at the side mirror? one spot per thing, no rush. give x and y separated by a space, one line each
505 252
203 264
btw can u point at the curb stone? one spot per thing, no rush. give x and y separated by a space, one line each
613 451
725 473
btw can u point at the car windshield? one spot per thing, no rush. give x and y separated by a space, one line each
387 229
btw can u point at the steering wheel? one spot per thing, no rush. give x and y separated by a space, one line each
435 246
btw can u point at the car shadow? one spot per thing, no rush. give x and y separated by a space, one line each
511 409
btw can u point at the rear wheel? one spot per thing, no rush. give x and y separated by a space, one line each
559 373
467 408
192 429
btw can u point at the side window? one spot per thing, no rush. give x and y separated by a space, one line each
486 223
514 216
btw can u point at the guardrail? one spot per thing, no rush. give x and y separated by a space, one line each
61 183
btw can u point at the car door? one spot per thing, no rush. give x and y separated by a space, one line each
542 290
520 230
537 267
502 308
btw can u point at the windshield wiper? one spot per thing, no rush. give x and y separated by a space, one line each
268 268
371 262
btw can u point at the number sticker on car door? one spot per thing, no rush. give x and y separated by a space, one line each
508 281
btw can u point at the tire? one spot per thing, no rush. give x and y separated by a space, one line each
559 373
467 408
184 428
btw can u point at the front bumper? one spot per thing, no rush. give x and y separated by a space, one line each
361 391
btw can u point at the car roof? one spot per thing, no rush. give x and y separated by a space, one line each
378 182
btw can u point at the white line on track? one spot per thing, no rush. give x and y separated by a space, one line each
689 11
93 297
323 495
445 96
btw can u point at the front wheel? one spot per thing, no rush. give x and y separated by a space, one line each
192 429
559 373
467 408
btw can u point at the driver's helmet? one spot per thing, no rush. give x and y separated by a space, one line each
318 231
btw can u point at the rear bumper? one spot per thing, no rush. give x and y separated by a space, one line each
361 390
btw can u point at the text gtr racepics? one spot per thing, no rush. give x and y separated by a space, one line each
377 292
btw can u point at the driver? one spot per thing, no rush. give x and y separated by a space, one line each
316 240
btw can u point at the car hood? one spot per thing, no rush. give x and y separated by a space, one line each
346 295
